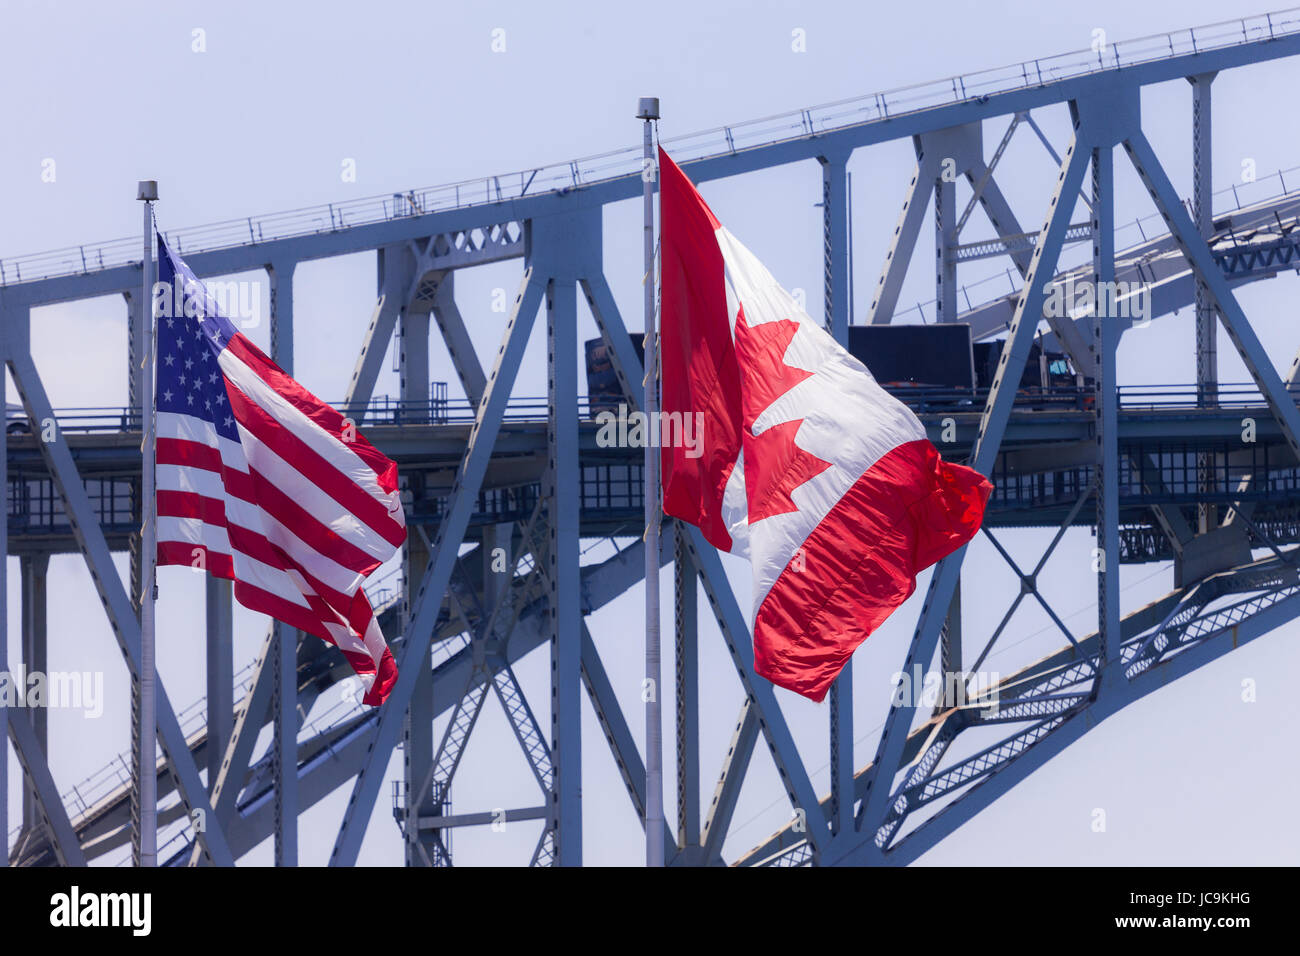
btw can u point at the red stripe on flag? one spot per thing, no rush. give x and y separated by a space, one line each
183 553
322 414
906 512
190 504
192 454
323 474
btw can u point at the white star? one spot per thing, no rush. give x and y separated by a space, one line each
182 379
167 395
169 359
229 420
221 398
191 399
213 378
189 363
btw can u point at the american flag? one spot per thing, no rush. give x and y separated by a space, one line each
263 483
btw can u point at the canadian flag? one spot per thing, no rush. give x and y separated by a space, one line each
824 480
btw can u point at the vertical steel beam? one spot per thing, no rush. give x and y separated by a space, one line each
417 726
220 673
1207 328
284 705
135 371
685 594
837 268
1106 333
33 569
413 365
1207 357
945 256
563 558
835 232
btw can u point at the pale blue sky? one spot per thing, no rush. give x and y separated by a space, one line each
414 94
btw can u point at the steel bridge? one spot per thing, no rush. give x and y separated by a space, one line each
1161 474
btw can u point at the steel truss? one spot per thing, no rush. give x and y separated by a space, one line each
494 570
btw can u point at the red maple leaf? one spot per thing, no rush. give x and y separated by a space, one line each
774 464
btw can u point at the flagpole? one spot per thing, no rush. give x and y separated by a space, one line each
648 111
147 192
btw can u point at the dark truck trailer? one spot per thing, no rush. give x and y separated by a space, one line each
603 390
916 356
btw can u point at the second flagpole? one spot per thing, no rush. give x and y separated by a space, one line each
648 112
147 731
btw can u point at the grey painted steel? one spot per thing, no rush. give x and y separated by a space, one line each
284 695
219 634
794 776
35 653
943 580
464 491
734 767
564 570
687 668
121 615
55 818
1106 335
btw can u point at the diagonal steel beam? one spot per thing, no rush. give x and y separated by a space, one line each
394 266
789 765
627 366
121 615
461 503
617 733
67 847
1197 253
249 720
730 779
899 256
943 580
456 337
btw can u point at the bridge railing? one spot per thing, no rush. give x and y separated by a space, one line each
1128 237
616 164
383 410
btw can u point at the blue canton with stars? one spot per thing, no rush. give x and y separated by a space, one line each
189 379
